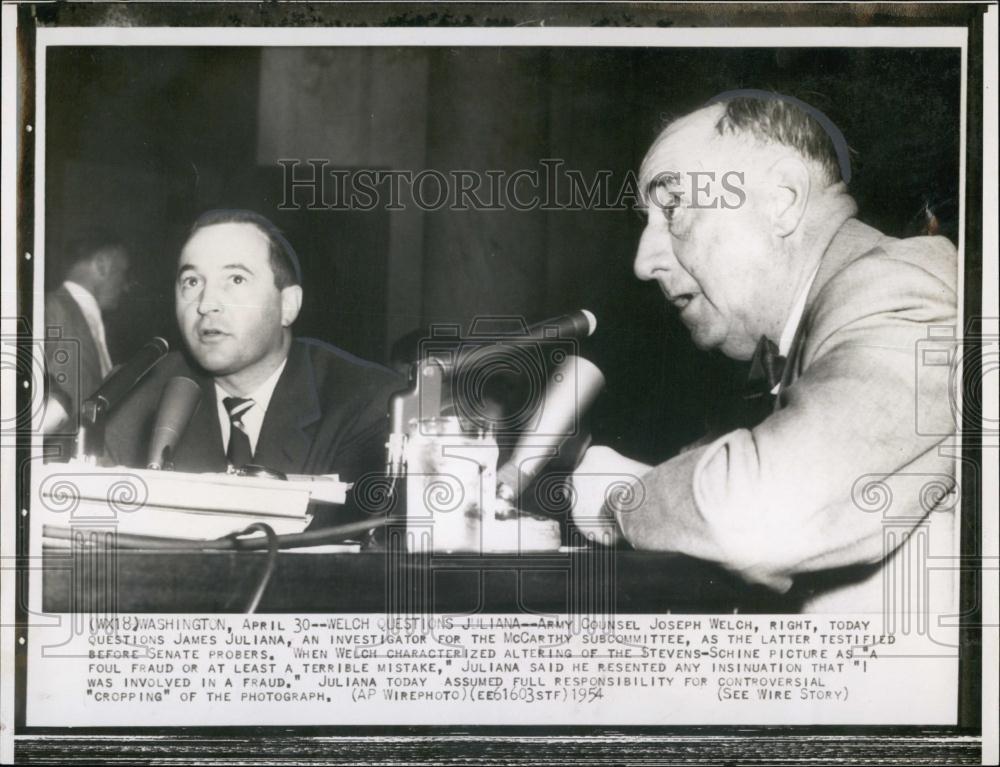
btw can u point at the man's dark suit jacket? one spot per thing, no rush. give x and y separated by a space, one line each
73 365
328 414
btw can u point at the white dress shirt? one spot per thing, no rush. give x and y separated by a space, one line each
792 324
253 418
92 314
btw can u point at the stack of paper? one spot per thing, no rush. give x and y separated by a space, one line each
174 504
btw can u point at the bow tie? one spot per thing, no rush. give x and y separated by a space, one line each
766 364
749 408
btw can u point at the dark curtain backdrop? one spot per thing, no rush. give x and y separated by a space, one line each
142 140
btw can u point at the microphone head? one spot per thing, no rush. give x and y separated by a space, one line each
160 344
177 404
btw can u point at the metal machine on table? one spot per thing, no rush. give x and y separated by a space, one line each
444 432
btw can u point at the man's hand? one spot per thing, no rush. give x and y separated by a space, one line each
602 481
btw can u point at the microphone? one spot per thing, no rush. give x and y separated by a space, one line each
178 402
578 324
573 386
424 396
122 380
575 325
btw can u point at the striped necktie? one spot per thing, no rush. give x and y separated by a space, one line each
238 453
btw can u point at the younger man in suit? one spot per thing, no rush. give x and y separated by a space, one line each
293 405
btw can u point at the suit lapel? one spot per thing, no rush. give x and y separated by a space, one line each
852 240
286 436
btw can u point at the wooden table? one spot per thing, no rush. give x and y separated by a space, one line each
375 581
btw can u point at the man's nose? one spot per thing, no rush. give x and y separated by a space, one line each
208 300
653 254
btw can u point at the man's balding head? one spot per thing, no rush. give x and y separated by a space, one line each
738 131
784 122
736 193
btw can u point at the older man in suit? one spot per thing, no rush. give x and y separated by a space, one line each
292 405
752 238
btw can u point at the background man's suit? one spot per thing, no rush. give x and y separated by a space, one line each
327 415
835 478
74 355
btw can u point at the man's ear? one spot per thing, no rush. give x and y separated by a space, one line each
101 263
790 182
291 303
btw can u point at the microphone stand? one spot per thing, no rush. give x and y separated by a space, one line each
90 438
91 432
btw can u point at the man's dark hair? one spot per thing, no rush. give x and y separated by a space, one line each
284 262
783 120
88 243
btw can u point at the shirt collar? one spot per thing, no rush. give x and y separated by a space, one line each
795 317
84 298
261 396
838 209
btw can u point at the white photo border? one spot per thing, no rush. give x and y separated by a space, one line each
29 261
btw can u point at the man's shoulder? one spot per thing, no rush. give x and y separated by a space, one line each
934 256
871 273
875 283
338 368
58 301
57 294
65 321
866 258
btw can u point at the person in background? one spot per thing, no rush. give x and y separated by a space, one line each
76 347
